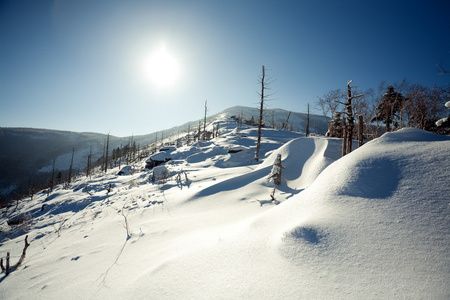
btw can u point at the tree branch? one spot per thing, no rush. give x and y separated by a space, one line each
22 257
442 69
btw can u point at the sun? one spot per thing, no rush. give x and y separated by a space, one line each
162 68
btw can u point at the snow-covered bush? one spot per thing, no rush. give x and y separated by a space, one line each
160 173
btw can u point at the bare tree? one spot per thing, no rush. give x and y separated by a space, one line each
425 106
263 97
348 132
89 163
364 107
285 125
344 138
330 102
441 69
360 130
7 269
155 144
69 178
188 135
307 123
52 180
204 120
350 119
106 153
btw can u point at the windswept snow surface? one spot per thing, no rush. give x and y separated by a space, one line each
374 224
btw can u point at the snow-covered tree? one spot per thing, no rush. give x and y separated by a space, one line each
336 126
275 174
444 123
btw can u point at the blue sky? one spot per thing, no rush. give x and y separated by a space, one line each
80 65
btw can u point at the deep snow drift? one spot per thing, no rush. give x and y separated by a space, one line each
373 224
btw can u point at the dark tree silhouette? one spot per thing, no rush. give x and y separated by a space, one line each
388 108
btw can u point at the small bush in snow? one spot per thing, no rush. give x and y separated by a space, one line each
160 173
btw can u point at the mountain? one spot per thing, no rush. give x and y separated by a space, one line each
374 224
26 155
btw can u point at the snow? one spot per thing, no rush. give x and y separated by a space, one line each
160 156
160 173
441 121
168 149
374 224
126 170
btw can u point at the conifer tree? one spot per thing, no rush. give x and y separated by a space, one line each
389 106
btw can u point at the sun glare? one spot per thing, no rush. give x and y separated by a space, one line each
162 69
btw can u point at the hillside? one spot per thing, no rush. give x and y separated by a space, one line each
374 224
26 155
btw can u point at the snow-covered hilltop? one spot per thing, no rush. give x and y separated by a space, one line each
374 224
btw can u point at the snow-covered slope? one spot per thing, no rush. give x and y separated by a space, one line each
374 224
26 152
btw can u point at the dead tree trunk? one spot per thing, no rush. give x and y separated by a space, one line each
88 168
307 123
69 180
350 119
261 108
360 131
8 268
287 121
344 138
273 119
106 153
52 181
204 120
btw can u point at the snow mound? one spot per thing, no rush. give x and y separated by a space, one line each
337 239
159 157
303 159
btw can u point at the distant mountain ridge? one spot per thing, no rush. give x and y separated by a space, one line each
27 154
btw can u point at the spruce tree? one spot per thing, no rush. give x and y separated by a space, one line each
388 108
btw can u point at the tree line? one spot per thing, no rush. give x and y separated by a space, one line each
389 108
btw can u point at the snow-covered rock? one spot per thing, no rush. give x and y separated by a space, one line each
237 148
168 149
126 170
157 159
